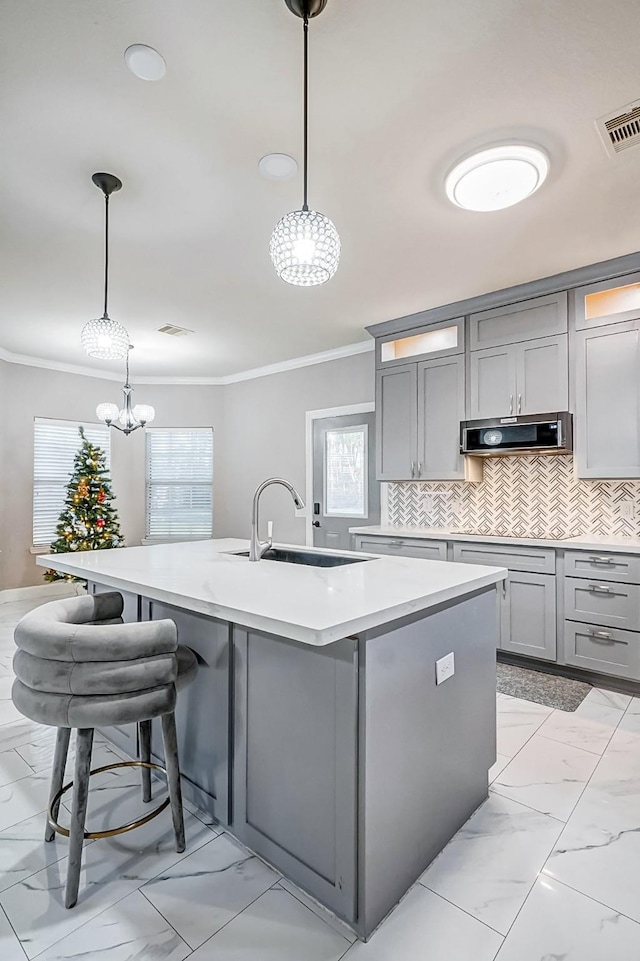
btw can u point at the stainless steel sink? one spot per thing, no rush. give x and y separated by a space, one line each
287 555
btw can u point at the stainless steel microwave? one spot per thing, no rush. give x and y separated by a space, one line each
525 434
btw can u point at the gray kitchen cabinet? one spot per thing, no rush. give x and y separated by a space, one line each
418 412
605 650
525 378
512 323
202 710
396 423
528 615
607 402
606 302
493 382
602 565
296 760
440 410
424 549
515 557
609 604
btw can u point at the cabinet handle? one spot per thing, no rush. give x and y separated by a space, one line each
519 403
511 403
413 468
396 543
419 469
600 589
602 560
605 636
504 589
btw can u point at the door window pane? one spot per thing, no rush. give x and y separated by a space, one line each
345 472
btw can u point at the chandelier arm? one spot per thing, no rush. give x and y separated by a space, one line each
305 30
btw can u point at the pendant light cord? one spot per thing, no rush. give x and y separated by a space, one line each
305 205
106 252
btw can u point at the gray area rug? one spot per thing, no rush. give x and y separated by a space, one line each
550 689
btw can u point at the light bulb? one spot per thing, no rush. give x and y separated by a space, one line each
105 339
144 413
305 248
107 412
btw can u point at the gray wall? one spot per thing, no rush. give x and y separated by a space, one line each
35 392
259 431
265 436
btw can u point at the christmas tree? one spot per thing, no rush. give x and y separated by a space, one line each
89 522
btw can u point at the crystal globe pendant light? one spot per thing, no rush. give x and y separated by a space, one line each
130 418
305 245
104 338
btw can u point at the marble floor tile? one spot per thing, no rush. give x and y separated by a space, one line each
490 865
10 949
6 684
276 927
131 930
608 698
547 776
22 799
558 924
205 890
12 767
23 850
112 869
634 706
598 852
590 729
501 762
8 712
22 731
424 927
518 720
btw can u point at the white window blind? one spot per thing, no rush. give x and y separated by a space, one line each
179 485
55 444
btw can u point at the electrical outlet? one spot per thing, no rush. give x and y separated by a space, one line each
627 508
445 668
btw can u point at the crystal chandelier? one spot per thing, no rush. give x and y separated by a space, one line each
105 338
305 245
130 418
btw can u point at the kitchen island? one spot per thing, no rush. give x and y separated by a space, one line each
318 729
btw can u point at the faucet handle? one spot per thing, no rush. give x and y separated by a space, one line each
270 530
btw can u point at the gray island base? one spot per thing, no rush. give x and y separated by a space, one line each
344 765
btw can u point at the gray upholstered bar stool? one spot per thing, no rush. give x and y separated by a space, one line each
79 666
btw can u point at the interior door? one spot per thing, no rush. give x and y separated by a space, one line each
345 491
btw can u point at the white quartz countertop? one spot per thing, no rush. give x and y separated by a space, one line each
312 605
588 542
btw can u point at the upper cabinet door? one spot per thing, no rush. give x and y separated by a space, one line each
542 376
493 382
540 317
440 410
608 302
396 423
423 343
607 408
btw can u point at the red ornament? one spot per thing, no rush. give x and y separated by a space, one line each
101 496
100 522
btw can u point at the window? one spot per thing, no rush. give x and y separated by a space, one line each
345 472
55 444
179 486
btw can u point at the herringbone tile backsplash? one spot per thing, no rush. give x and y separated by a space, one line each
536 496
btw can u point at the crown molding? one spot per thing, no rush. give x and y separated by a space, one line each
308 360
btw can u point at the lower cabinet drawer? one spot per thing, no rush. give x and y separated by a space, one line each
608 603
607 650
403 547
603 566
535 560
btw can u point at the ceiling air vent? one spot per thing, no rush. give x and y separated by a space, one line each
174 331
620 130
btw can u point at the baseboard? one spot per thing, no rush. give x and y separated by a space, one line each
51 591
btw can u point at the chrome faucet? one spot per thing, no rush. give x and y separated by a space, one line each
259 548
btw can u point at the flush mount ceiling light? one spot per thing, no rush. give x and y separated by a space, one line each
145 62
497 177
278 166
305 246
104 338
130 418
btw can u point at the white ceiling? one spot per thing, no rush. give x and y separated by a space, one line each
399 90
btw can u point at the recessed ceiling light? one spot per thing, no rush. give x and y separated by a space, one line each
278 166
145 62
497 177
